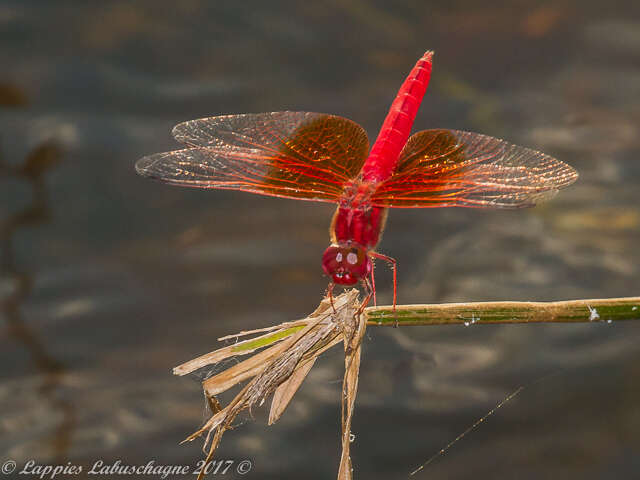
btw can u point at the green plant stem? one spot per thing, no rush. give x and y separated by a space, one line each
571 311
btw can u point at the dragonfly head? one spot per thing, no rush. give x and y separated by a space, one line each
346 264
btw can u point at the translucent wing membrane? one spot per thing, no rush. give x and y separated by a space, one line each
448 168
301 155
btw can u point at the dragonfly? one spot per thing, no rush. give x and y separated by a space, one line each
326 158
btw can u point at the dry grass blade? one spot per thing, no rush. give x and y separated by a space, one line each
353 333
243 370
241 348
282 326
289 352
285 392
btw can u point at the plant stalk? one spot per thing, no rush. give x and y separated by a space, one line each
570 311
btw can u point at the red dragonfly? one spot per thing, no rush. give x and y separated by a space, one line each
326 158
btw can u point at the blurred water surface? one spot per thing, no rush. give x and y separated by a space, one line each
110 280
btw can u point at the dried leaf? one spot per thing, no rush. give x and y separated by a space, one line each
281 368
282 326
241 348
352 348
241 371
254 365
285 392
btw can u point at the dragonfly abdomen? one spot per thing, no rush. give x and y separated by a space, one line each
396 128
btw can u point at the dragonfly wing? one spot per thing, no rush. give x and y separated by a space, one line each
450 168
302 155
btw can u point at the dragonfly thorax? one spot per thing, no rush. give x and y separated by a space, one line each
357 194
346 263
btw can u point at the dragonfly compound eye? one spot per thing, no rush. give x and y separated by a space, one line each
346 265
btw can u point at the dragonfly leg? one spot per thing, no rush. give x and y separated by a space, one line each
370 293
330 295
394 267
373 284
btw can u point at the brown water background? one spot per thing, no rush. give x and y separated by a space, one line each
109 280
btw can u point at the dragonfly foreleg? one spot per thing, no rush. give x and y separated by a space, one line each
330 295
394 267
370 292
